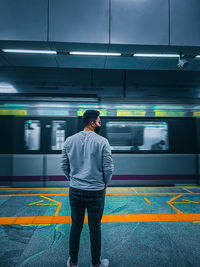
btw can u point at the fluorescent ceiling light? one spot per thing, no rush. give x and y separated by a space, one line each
94 53
28 51
7 88
156 55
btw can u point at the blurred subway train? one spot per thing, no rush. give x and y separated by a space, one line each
146 150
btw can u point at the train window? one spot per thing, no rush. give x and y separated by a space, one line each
58 134
32 130
149 136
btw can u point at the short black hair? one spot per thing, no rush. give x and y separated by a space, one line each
89 116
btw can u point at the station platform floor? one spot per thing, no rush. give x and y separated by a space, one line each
141 226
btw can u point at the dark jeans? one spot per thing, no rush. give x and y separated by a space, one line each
94 202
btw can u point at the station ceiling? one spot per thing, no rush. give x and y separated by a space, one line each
124 77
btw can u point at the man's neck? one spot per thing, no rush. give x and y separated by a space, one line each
89 128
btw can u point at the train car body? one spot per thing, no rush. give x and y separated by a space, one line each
146 150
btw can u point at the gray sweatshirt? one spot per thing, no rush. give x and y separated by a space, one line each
87 161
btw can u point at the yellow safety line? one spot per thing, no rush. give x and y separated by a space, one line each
35 188
66 194
59 204
108 187
36 202
20 195
147 200
157 187
118 218
35 224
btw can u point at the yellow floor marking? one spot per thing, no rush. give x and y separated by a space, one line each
174 207
36 188
34 224
180 202
36 202
121 218
170 203
185 202
59 204
163 187
157 186
63 194
46 204
147 200
190 201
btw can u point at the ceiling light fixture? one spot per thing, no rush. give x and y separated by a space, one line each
28 51
94 53
156 55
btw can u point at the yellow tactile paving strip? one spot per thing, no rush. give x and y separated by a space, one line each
120 218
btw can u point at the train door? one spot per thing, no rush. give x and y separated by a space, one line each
28 151
198 148
6 152
55 134
38 142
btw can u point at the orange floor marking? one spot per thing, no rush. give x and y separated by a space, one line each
147 200
36 202
59 204
106 218
22 195
190 201
173 193
170 203
174 207
118 187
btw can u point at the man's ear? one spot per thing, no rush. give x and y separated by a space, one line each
92 124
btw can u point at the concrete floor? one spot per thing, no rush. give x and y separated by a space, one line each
142 226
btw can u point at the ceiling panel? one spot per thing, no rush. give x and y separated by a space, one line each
128 62
24 20
48 75
24 45
131 49
139 22
108 77
75 61
3 61
79 21
184 22
161 92
69 46
30 60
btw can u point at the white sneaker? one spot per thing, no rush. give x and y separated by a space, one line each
68 263
104 263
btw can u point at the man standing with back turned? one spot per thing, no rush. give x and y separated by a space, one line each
87 162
